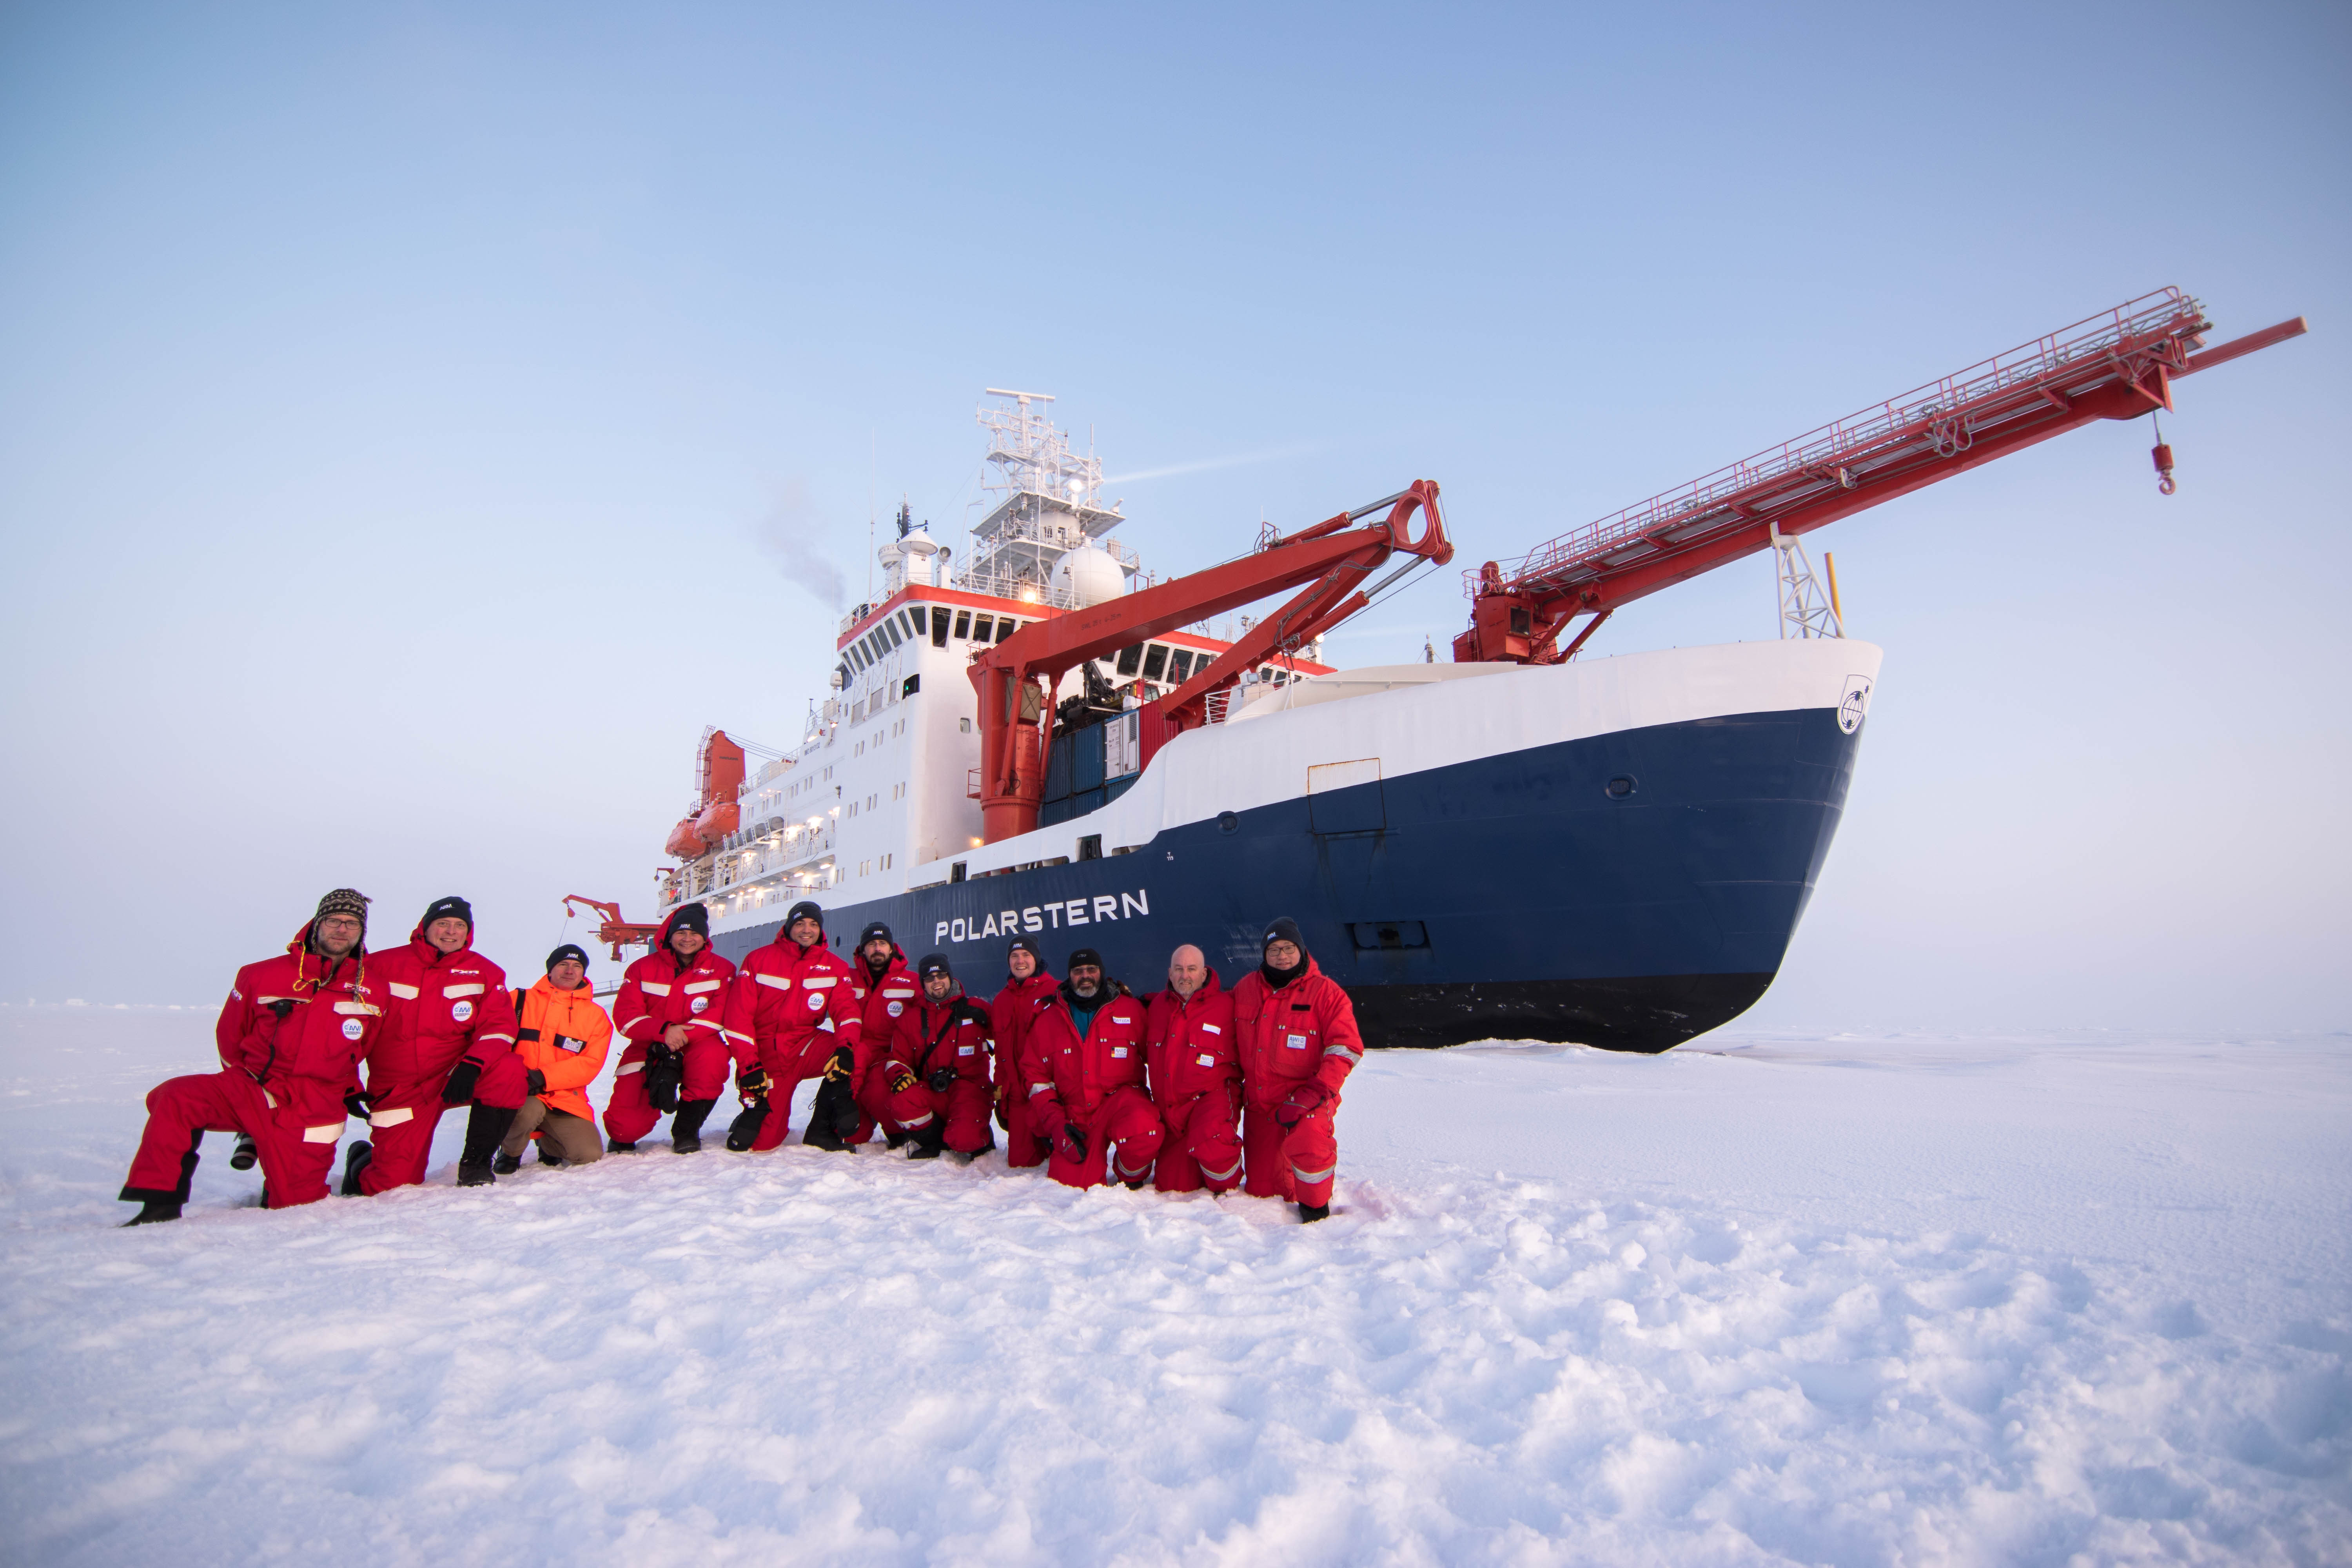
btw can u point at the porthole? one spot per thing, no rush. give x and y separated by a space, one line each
1621 786
1228 823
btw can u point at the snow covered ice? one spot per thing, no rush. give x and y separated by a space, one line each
1763 1299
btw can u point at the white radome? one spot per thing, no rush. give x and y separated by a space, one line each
1090 574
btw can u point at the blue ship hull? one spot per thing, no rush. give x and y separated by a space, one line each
1627 890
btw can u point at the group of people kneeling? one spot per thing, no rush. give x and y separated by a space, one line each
1195 1087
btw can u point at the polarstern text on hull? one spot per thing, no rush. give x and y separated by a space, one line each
1060 915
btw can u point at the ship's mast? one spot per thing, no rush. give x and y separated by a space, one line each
1051 503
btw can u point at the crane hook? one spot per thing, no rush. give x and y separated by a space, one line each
2162 454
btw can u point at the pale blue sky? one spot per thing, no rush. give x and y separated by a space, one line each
395 402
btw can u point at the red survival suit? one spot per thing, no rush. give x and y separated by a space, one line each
1196 1086
1300 1041
285 1082
884 1000
788 1009
1092 1081
933 1037
1010 1013
442 1008
657 990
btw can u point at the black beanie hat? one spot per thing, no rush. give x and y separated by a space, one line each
934 964
572 949
1027 944
877 930
343 901
1281 929
1085 955
451 907
689 917
805 907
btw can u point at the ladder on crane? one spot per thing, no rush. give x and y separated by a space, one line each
2118 365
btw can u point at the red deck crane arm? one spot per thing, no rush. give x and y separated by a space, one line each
2120 366
1332 559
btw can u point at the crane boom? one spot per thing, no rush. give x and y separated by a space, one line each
1016 678
2118 365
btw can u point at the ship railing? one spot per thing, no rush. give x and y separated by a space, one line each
1216 705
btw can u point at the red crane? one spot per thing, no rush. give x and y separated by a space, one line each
1017 677
2118 365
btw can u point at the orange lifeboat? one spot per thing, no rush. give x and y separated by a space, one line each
718 775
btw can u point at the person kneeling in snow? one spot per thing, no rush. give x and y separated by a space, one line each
936 1071
1083 1064
447 1040
792 1015
669 1006
1196 1078
292 1034
1297 1033
562 1042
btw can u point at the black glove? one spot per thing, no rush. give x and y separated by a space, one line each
536 1080
459 1089
942 1079
837 1070
902 1077
1074 1141
752 1084
664 1072
281 1007
356 1104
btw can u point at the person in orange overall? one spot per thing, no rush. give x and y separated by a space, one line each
563 1041
1297 1036
290 1038
1027 984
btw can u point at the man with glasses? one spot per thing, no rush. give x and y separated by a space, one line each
291 1034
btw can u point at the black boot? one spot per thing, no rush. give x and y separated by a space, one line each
686 1127
154 1205
895 1140
355 1160
744 1131
243 1156
832 1118
505 1164
614 1146
1310 1212
486 1129
929 1144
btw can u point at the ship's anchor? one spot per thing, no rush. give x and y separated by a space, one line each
2162 453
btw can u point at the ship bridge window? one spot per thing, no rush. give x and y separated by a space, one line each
1005 626
1155 663
890 629
1130 659
981 626
963 624
1180 665
938 628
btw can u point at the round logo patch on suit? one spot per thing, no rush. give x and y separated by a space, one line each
700 1005
353 1028
896 1008
461 1011
816 1002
